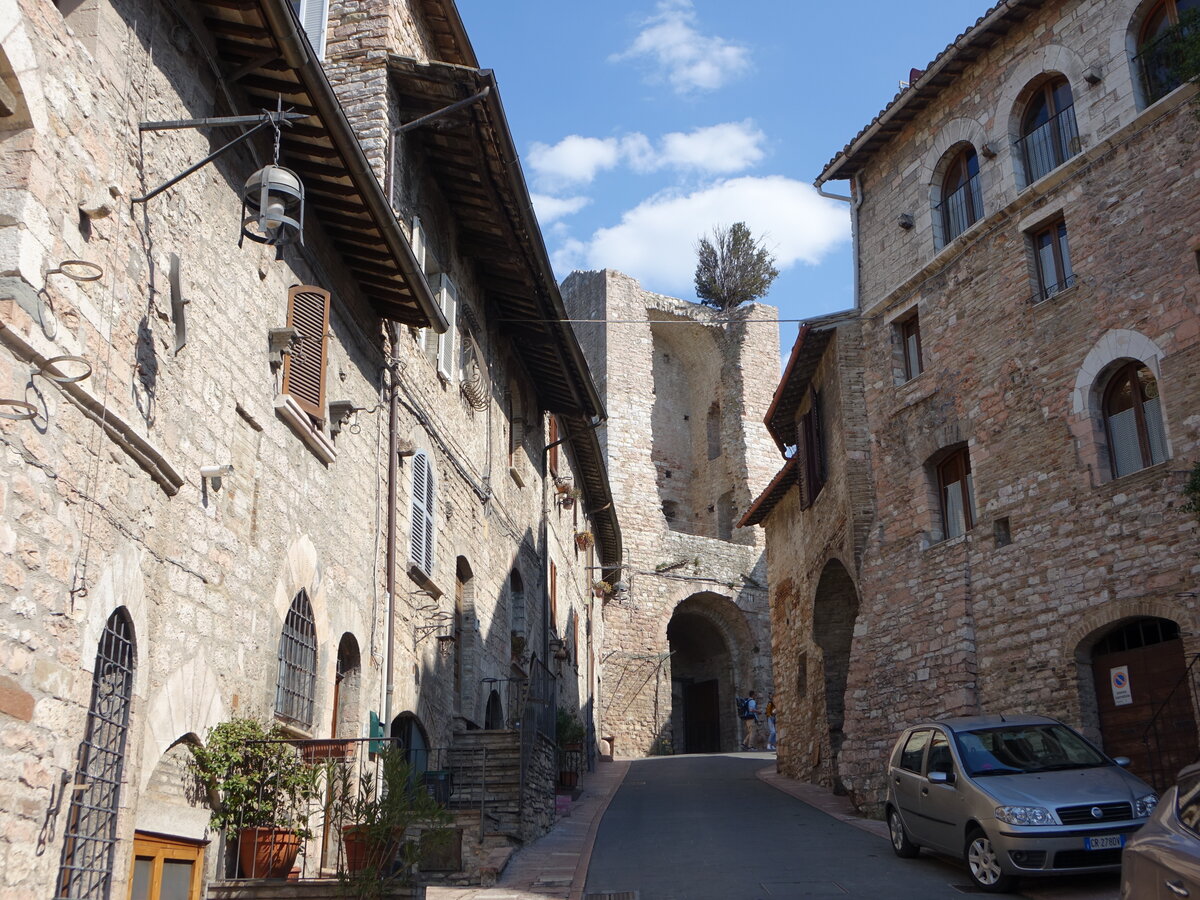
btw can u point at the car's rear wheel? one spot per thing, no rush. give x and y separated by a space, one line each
900 842
983 862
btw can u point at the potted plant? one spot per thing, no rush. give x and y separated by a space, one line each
603 589
569 733
584 539
262 788
518 645
388 819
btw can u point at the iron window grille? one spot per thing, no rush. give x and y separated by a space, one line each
962 196
90 835
1166 56
1050 135
296 688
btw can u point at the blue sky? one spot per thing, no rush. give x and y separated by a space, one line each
642 124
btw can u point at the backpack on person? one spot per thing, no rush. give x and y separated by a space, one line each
743 708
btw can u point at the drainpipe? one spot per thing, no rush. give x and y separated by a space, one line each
390 579
855 201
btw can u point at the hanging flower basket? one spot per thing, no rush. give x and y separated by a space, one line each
584 540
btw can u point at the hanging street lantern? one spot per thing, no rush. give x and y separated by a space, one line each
273 207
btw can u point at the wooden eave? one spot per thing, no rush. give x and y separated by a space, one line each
261 48
956 58
793 385
471 157
584 442
446 30
766 502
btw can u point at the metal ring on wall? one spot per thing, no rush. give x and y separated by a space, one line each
21 410
48 369
78 270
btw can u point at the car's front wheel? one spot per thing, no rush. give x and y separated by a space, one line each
983 862
900 842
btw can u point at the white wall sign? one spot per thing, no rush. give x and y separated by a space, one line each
1119 678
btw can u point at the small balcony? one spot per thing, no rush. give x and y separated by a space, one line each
1171 58
1050 144
961 209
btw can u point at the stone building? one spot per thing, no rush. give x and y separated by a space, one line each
686 626
313 483
1025 218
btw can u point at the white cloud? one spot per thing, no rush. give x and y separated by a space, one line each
719 149
550 208
574 159
686 59
713 150
655 241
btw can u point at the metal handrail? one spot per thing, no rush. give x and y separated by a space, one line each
1155 757
1050 144
1160 61
954 209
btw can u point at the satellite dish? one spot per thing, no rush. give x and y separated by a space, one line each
177 305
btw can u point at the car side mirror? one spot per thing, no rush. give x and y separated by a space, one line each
941 778
1122 761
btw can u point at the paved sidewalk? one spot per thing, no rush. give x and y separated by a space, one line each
555 865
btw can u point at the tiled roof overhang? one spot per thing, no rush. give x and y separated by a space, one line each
770 498
262 50
472 158
597 497
801 366
447 32
908 104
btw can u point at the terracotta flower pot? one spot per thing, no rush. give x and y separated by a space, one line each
267 852
362 850
319 751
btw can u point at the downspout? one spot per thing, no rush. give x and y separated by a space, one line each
390 578
855 201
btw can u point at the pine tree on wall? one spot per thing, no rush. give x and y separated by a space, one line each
732 268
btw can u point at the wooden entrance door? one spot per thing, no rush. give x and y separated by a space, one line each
1154 672
701 718
165 868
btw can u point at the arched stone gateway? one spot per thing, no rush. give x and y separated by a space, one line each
711 646
835 607
1143 705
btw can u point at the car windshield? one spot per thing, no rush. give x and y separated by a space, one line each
1019 749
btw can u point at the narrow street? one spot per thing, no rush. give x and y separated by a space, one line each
698 827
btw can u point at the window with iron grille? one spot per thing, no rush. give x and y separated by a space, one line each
90 835
1133 420
295 691
1053 260
1167 46
962 198
1049 136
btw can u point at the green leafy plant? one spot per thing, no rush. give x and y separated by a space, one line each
567 728
732 268
1191 490
389 821
258 778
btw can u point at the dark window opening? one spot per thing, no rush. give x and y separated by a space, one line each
1137 634
1049 136
1133 420
1053 260
910 341
295 689
1166 46
962 197
955 489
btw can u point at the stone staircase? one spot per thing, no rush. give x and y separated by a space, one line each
486 770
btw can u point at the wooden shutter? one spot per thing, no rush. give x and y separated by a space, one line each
422 540
304 370
553 595
802 476
448 297
820 463
314 16
552 442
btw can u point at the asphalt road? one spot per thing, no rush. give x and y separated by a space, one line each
705 828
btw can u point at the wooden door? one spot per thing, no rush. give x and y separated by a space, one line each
701 718
1156 676
165 868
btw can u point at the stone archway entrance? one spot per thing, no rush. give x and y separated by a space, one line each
705 638
835 608
1144 698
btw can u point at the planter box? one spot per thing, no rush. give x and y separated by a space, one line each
316 889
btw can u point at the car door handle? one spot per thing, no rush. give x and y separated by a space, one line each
1177 888
924 792
897 781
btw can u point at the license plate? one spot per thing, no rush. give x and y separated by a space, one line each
1104 842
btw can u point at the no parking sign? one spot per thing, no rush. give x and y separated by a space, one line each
1119 678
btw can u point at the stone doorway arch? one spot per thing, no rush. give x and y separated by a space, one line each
835 608
1143 705
710 645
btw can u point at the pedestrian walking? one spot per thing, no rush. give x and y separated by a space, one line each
750 723
769 712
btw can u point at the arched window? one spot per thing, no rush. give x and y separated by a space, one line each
962 199
1049 136
957 493
346 685
1133 420
493 718
295 689
90 835
1163 51
422 543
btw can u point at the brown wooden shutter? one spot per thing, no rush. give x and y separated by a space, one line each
553 595
552 441
304 370
802 476
820 462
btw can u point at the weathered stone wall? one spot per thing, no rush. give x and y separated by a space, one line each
639 366
90 518
975 624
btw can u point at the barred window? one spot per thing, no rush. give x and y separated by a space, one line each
90 835
295 690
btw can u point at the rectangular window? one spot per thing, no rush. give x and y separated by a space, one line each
1053 260
166 869
913 754
955 487
910 342
447 295
553 595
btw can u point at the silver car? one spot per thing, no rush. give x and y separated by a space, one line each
1162 861
1015 796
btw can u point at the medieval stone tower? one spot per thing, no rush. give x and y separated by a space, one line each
687 627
